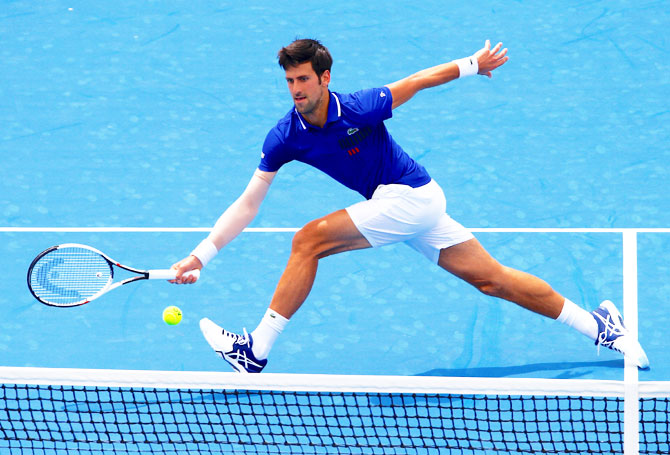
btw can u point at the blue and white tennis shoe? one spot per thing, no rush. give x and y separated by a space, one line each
612 334
233 348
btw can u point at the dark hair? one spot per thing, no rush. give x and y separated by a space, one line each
305 50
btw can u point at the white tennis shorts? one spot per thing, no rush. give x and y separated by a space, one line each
415 216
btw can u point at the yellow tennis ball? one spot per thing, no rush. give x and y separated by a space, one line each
172 315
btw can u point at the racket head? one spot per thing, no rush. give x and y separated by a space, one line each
69 275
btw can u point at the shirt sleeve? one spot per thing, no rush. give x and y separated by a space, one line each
274 153
373 105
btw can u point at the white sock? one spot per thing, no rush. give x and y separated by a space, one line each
267 332
578 318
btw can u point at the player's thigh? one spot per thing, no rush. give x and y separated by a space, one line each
333 233
445 233
398 213
470 262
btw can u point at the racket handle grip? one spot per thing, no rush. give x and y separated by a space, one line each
170 274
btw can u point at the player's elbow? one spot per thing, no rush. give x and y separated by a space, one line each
240 214
249 212
248 207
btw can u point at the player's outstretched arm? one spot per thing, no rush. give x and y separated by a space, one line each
482 62
229 225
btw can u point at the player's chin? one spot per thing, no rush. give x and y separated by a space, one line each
300 104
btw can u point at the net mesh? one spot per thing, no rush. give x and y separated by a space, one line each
56 419
655 425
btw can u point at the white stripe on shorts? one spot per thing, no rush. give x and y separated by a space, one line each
416 216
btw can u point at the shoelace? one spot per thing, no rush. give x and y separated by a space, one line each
242 340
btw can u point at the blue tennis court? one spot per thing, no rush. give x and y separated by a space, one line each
132 126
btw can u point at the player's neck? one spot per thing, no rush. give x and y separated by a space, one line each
319 116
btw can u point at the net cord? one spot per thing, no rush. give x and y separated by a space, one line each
325 382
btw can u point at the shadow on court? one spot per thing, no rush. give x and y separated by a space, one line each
566 370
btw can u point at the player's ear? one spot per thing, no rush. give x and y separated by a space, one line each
325 78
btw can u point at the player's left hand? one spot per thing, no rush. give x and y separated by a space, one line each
489 59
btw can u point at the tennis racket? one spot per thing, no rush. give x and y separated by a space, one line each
71 274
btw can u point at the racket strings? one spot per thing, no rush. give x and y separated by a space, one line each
69 275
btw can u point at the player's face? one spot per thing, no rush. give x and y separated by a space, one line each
307 89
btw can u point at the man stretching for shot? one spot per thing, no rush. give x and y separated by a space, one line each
344 136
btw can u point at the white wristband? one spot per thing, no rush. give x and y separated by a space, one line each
205 251
467 66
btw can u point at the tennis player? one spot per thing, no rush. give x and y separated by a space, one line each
344 136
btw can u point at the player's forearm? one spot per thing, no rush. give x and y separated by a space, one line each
404 89
242 212
233 221
434 76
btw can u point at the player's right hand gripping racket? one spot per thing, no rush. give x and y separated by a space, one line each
72 274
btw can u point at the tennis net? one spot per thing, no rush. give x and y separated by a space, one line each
68 411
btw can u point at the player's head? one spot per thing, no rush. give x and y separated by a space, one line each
303 51
307 63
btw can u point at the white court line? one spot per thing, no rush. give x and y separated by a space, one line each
631 419
295 229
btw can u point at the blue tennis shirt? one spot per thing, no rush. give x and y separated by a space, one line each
353 147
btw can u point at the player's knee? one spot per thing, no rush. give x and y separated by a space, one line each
489 287
493 284
496 283
306 240
300 242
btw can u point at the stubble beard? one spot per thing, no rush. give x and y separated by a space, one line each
310 107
